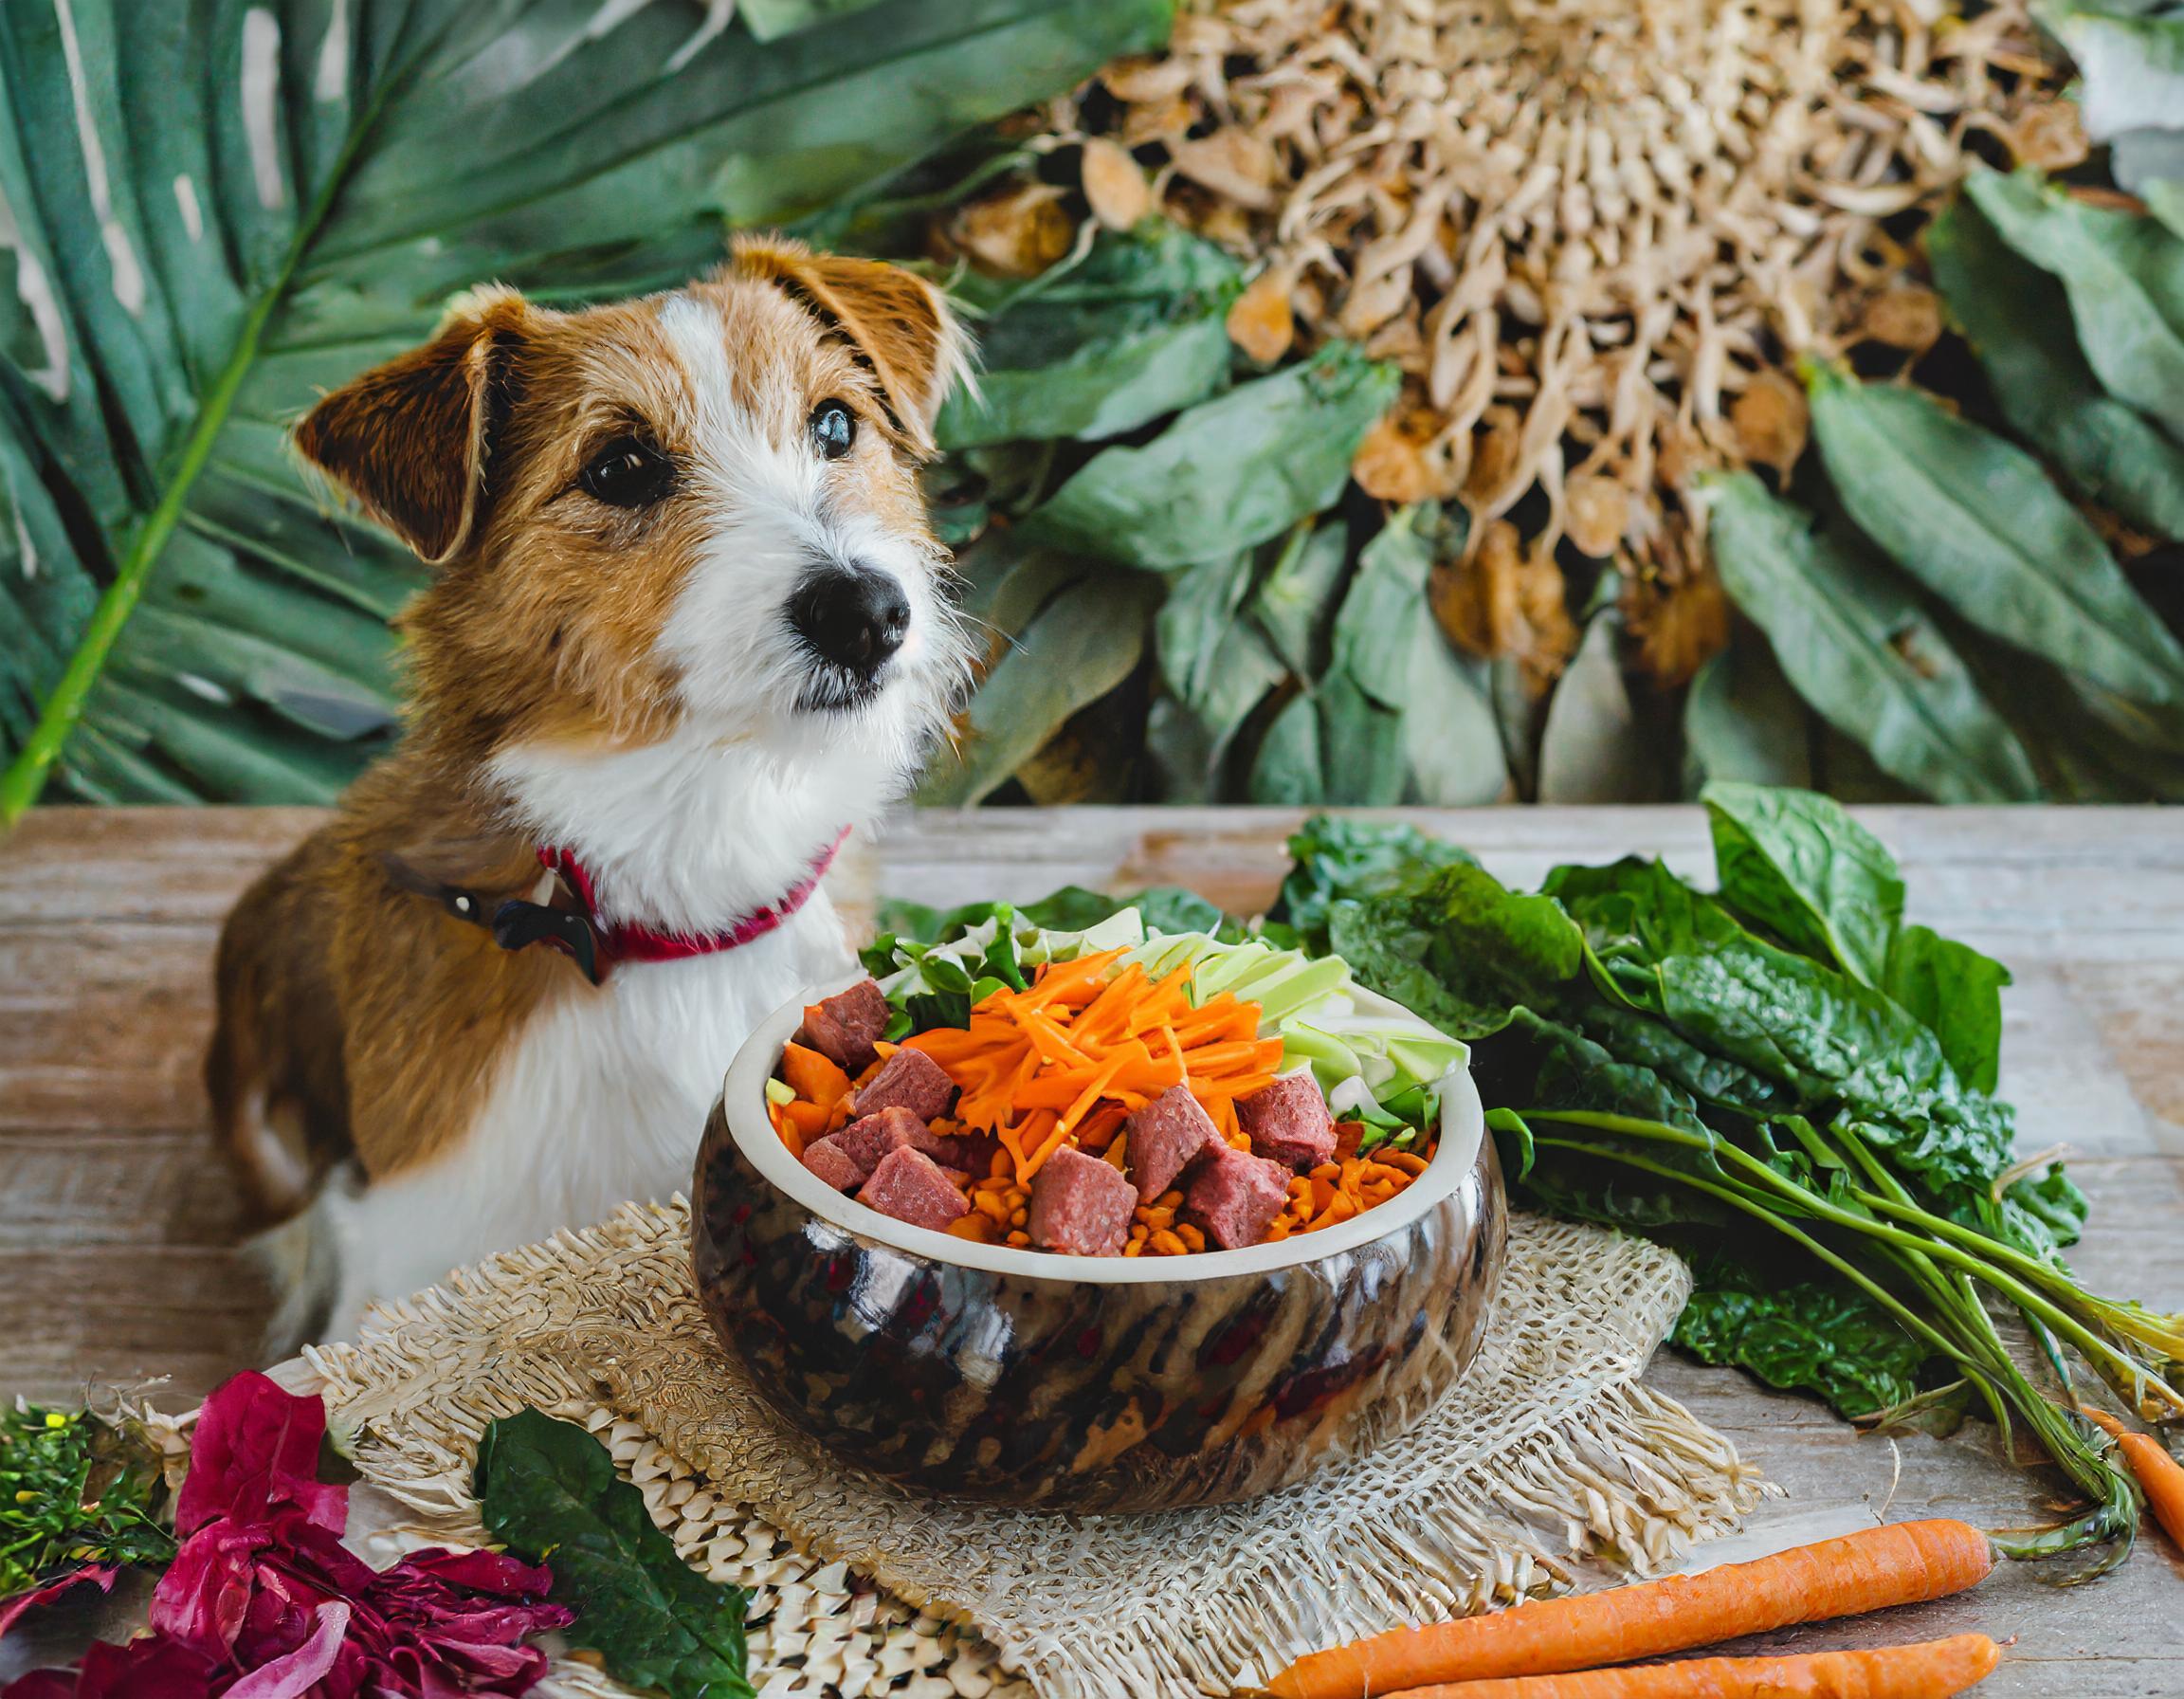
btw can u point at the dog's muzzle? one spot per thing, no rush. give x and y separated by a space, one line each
852 620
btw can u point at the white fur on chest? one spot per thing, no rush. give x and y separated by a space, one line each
601 1101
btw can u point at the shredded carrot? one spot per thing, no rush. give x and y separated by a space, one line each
1066 1061
1899 1564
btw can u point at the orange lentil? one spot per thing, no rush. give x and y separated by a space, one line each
1165 1243
1193 1239
1019 1239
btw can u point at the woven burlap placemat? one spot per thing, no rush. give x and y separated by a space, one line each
1550 1451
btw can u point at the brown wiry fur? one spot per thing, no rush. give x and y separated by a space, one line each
365 1017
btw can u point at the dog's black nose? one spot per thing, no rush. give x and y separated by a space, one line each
851 616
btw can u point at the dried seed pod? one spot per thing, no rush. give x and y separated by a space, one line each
1599 512
1261 322
1115 185
1772 421
1906 317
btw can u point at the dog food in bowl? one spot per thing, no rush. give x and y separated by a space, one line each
1003 1284
1120 1103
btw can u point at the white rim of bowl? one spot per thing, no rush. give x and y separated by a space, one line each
744 1100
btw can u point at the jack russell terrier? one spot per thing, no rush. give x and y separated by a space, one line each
686 628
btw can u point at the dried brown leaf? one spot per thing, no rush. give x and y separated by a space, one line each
1772 421
1600 513
1396 462
1906 317
1502 600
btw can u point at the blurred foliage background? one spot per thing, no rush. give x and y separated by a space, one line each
1392 401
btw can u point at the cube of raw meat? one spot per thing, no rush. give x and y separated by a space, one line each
1081 1205
1165 1138
871 1137
911 1080
1288 1122
908 1184
842 1027
837 1167
1233 1197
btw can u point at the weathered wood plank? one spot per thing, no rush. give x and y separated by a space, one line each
115 1225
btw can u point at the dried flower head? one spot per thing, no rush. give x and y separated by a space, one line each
1585 229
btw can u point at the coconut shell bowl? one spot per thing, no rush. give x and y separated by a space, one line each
1025 1377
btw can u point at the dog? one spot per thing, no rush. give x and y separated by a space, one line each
687 626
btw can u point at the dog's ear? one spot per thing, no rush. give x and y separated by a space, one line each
899 324
411 440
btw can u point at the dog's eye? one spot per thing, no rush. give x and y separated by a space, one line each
833 428
628 472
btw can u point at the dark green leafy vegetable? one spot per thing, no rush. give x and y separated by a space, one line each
548 1490
1957 993
1335 856
1826 1146
1800 867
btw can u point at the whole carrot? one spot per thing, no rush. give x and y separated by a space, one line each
1931 1669
2160 1477
1866 1571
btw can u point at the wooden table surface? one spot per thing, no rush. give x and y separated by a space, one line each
115 1223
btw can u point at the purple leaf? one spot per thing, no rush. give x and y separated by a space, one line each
256 1451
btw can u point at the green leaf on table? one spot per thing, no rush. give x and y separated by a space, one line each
1799 865
1135 331
547 1490
1744 721
1458 947
1363 759
1976 520
226 211
2123 273
1955 992
1226 474
1287 769
1215 662
2018 322
1861 652
1078 646
1593 748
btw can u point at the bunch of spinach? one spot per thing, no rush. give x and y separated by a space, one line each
75 1493
1788 1083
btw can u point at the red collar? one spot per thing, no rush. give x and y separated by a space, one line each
622 942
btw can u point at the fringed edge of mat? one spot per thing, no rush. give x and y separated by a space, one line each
1629 1475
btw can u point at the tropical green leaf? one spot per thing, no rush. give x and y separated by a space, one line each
772 19
1297 599
1227 474
1076 649
1798 865
1743 721
2018 321
2130 58
216 211
1388 647
1287 768
2123 273
1861 652
1976 521
1593 748
1215 662
1135 331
